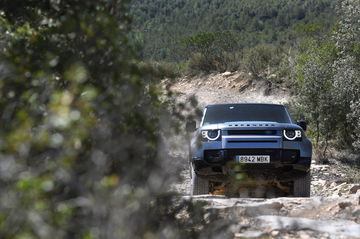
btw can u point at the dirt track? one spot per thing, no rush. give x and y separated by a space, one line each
231 88
333 211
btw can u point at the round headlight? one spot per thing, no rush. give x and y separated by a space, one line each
211 134
291 134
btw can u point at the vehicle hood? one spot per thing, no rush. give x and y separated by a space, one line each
250 125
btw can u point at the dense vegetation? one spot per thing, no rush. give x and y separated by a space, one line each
160 25
327 77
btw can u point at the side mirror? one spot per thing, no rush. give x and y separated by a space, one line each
190 126
302 124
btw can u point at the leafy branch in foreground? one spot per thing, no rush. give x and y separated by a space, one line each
82 153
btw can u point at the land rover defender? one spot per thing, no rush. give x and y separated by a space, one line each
262 138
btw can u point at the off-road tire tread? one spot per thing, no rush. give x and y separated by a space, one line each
199 185
302 186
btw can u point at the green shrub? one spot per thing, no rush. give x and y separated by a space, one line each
198 63
213 51
261 59
165 69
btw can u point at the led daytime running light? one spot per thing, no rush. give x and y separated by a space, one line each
297 135
206 135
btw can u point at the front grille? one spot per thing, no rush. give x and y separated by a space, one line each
252 141
252 132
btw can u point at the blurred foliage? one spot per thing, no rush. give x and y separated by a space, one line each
85 129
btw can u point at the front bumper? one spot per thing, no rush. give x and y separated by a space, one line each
278 157
284 163
287 158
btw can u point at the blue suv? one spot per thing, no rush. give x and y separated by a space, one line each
262 139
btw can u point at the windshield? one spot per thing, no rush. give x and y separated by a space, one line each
245 112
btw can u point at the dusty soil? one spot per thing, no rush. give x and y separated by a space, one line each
332 211
231 87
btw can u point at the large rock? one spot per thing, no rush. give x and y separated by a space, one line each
250 234
265 208
354 188
227 74
236 208
345 204
336 228
356 213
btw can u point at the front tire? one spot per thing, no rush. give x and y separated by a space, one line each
199 185
302 186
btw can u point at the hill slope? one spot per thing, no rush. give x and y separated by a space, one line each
159 25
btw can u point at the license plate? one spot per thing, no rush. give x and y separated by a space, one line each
253 158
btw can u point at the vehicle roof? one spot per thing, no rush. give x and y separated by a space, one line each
244 104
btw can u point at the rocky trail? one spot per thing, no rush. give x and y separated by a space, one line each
332 211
